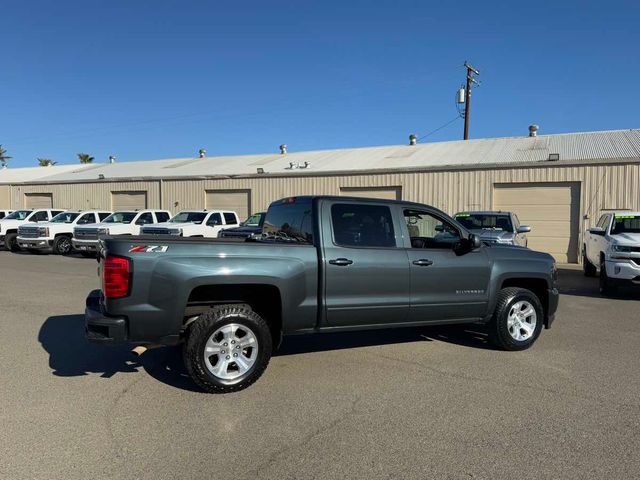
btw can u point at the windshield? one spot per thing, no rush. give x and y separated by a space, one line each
625 224
189 217
65 217
254 220
485 221
18 215
120 217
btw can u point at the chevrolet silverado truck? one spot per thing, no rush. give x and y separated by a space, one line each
27 216
55 235
125 222
495 227
322 264
612 249
198 223
251 226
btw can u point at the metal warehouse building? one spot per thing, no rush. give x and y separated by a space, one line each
557 184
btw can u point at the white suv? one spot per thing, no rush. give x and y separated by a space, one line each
126 222
195 223
56 234
9 224
612 247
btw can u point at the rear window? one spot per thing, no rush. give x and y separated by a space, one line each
362 225
162 217
292 220
230 218
625 224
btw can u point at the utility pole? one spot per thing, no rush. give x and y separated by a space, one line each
467 96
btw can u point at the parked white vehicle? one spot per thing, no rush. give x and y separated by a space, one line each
125 222
4 213
195 223
612 248
56 234
9 224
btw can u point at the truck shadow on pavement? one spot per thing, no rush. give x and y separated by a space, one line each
71 355
571 281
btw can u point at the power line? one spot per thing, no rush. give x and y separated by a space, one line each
440 127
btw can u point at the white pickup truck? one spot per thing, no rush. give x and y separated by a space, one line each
195 223
612 248
125 222
9 224
56 234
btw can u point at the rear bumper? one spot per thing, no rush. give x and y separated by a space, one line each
85 245
554 300
100 328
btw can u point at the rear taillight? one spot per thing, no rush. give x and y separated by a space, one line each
116 273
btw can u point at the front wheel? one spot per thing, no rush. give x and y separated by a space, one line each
11 242
62 245
517 320
227 348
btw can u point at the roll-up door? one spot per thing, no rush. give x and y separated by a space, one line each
238 201
128 200
38 200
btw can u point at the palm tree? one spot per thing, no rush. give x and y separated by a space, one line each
85 158
46 162
3 157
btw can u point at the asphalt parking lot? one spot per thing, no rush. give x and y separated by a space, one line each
420 403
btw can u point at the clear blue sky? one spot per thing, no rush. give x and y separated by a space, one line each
160 79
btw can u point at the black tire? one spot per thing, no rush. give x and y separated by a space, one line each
606 288
62 245
205 326
588 268
11 242
498 328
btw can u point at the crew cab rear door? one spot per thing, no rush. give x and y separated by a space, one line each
446 283
366 270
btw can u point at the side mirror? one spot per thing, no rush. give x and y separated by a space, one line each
597 231
474 241
524 229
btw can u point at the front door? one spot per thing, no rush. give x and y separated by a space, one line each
366 270
446 284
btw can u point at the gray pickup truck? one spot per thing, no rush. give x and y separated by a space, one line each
321 264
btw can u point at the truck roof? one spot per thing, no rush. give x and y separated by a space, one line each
484 212
621 212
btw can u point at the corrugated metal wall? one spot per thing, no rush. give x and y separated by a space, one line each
5 197
601 187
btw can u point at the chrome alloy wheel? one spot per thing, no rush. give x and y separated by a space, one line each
522 320
231 351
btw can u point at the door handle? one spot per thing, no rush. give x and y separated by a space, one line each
341 262
423 262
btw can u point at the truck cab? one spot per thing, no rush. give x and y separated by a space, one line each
124 222
611 250
195 223
26 216
56 234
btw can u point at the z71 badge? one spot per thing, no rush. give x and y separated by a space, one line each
148 249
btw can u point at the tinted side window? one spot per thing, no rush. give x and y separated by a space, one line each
40 216
103 215
229 218
1 215
144 219
86 218
362 225
429 231
214 219
162 217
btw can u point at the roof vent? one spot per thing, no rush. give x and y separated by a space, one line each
533 130
283 149
101 176
202 152
554 157
112 159
413 139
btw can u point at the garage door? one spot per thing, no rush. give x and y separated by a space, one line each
128 200
387 193
235 200
38 200
550 209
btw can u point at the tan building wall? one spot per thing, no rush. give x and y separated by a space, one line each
611 186
5 197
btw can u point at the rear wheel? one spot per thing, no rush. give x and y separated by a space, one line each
606 288
517 320
11 242
62 245
227 348
588 268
